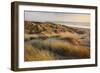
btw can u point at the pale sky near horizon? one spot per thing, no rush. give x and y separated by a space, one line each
52 16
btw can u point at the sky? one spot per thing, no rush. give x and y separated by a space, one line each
57 17
52 16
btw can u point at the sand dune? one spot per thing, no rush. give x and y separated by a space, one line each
49 41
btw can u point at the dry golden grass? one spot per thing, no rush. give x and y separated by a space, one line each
34 54
72 50
72 47
68 45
